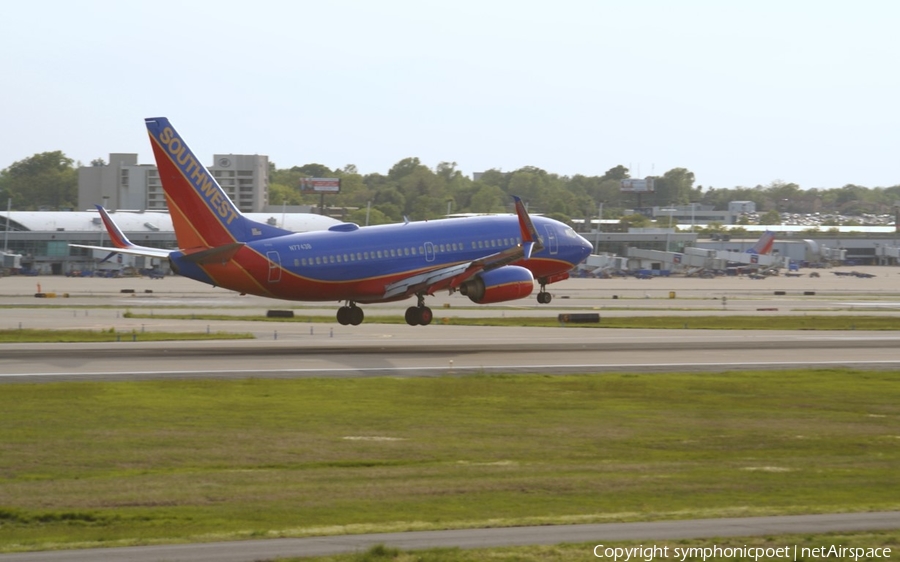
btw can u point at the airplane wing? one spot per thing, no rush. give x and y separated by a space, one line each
122 245
451 277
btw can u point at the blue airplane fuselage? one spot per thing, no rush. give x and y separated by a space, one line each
354 263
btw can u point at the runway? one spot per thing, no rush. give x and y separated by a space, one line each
447 350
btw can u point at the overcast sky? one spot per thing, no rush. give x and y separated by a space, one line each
741 93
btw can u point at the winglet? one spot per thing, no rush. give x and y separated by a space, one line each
530 239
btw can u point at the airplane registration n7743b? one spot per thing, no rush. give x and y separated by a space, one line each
488 258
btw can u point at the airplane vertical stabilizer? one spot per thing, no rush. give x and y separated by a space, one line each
202 213
764 244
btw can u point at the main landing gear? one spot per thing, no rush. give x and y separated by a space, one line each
543 297
419 315
350 314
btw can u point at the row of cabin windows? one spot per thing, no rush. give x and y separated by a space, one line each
400 252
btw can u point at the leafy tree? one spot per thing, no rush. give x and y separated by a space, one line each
422 183
390 202
284 195
488 199
314 171
375 217
533 185
674 187
45 180
784 197
770 217
448 171
634 221
617 173
426 207
405 167
496 178
354 192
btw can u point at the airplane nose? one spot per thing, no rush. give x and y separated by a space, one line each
586 247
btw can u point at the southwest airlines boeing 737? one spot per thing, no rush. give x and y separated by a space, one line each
488 259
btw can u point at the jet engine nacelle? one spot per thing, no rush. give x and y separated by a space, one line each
505 283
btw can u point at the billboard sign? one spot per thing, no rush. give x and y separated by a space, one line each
637 186
321 185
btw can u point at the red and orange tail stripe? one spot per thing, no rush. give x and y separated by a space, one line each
191 191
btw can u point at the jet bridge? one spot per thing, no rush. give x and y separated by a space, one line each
694 260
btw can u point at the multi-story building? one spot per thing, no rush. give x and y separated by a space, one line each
125 184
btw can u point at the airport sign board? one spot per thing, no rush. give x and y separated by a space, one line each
321 185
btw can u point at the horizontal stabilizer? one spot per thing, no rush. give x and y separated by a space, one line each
219 254
122 244
132 250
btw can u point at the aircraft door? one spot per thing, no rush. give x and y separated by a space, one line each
552 241
429 251
274 266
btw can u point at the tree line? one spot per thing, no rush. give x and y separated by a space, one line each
412 189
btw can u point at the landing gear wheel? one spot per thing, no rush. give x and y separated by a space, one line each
350 315
544 298
419 316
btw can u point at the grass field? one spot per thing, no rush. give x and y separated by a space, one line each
88 463
111 335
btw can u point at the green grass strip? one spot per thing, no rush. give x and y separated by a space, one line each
88 336
120 463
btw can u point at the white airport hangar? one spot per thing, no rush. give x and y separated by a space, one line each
42 238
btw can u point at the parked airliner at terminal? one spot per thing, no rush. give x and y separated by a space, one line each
488 259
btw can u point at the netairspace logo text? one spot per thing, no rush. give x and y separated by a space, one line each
756 553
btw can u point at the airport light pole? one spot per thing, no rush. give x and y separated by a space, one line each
597 233
668 230
6 230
